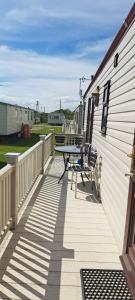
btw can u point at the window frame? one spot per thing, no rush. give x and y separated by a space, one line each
106 95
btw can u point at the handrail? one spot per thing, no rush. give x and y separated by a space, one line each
48 136
7 169
29 151
17 179
6 174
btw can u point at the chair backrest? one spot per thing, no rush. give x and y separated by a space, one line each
92 159
90 155
59 139
87 148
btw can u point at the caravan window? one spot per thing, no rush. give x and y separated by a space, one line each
105 107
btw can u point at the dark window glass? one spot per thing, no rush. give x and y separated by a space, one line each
105 107
116 60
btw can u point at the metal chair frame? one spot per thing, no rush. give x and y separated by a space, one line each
88 167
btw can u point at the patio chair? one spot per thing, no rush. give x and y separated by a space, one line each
86 168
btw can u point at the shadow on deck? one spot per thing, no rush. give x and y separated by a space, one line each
31 264
56 236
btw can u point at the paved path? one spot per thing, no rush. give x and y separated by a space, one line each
56 237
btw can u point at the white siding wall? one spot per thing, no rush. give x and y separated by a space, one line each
16 116
12 117
3 119
12 122
114 147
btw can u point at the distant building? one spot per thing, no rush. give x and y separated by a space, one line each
13 116
56 119
75 126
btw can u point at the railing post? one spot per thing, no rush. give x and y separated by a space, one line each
52 144
42 138
66 139
12 158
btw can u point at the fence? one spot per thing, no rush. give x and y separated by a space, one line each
68 139
18 177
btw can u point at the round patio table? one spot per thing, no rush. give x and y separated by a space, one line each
69 150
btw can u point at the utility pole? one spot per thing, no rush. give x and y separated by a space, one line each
60 104
37 106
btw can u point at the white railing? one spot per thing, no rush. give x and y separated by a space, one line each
29 167
68 139
5 198
49 141
18 177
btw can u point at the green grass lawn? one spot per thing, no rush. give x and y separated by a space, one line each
46 129
15 144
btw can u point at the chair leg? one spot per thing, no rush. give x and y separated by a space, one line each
72 179
76 186
86 175
91 182
82 179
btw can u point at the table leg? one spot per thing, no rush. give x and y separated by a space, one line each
66 160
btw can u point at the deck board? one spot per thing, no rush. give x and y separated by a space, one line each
57 236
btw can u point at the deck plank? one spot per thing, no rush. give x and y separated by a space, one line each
57 236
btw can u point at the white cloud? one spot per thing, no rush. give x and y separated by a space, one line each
32 12
98 46
32 76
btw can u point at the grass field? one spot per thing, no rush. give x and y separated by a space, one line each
15 144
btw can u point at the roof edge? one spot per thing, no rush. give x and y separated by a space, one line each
123 29
16 105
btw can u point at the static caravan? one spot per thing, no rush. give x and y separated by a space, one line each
56 119
75 126
110 126
77 121
12 117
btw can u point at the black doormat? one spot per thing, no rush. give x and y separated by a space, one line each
101 284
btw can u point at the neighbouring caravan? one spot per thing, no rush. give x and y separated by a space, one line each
75 126
110 125
77 121
12 117
56 119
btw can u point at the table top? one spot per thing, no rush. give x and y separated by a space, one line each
70 149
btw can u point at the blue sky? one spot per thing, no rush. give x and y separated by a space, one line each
46 46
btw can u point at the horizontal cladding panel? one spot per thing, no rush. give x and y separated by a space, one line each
122 107
117 134
125 66
117 223
119 155
118 108
119 199
122 117
122 136
123 80
113 199
122 88
119 117
122 146
120 126
123 127
119 183
128 96
109 70
115 157
124 75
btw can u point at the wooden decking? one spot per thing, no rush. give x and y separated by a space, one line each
57 236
